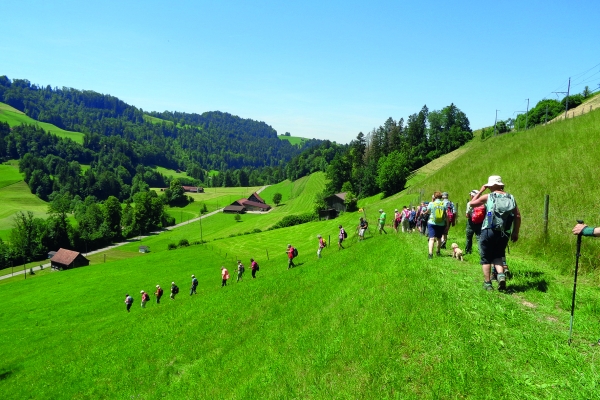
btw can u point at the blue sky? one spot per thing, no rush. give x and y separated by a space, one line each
323 69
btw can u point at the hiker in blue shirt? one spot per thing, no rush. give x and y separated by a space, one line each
502 222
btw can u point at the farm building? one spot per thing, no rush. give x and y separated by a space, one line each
66 259
193 189
330 213
252 203
234 208
144 249
336 201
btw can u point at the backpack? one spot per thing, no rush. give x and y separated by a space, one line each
175 290
478 214
500 207
257 267
146 297
412 216
439 212
294 252
194 282
345 234
450 212
160 292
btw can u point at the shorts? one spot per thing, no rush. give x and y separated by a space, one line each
361 232
435 230
492 245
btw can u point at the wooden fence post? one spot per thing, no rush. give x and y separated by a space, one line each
267 253
546 207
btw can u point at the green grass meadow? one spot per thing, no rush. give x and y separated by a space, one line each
14 117
375 320
295 140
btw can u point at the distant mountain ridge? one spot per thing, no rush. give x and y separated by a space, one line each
211 140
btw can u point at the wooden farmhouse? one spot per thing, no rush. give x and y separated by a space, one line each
67 259
336 201
252 203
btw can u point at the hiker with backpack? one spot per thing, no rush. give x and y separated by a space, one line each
412 219
422 218
128 301
450 215
224 276
343 235
397 219
174 290
501 223
405 219
254 267
194 285
322 245
437 223
240 271
362 228
475 217
158 293
145 298
291 253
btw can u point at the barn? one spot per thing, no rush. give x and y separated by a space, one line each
336 201
66 259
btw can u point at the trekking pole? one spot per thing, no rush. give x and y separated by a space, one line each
575 279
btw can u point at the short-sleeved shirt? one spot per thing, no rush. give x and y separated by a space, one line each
431 210
382 217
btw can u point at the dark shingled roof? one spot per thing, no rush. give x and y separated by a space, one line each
255 204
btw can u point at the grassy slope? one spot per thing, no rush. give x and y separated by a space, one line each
15 117
373 321
293 139
15 196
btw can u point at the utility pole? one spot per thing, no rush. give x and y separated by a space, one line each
567 102
527 114
495 122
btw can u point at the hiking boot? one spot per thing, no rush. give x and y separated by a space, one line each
430 257
438 253
501 282
488 286
508 274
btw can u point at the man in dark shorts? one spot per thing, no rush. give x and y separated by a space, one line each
496 231
437 224
341 238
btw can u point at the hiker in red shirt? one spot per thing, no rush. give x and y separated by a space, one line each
253 267
224 276
158 293
290 254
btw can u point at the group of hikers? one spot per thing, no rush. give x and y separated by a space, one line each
493 218
175 289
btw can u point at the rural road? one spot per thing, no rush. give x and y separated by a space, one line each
169 228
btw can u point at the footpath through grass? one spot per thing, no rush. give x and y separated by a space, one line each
377 320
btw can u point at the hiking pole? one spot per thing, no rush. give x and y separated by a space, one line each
575 279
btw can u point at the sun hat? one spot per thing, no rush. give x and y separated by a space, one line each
289 245
193 276
445 195
473 192
141 291
319 236
381 210
172 283
494 180
396 210
157 285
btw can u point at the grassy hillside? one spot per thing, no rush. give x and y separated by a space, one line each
373 321
15 117
15 196
293 139
558 160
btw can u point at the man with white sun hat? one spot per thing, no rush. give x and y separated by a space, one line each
502 222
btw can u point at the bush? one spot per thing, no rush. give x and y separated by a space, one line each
256 230
184 243
237 217
291 220
172 246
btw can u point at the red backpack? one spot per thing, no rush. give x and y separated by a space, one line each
478 214
450 213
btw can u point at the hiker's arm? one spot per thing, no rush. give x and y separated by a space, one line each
587 230
517 225
478 201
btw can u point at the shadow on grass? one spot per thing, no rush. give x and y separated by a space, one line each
529 280
5 375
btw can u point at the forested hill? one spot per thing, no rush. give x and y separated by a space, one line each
208 141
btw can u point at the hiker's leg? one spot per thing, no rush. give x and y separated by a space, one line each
487 271
469 242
